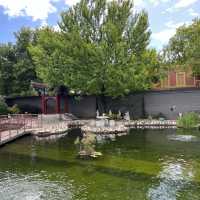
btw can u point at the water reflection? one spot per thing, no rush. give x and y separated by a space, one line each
175 175
51 138
104 138
183 138
141 165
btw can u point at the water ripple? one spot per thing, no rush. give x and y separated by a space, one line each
174 176
32 187
183 138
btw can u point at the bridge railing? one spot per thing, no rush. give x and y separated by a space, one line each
12 125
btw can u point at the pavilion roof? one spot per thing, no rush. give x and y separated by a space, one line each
39 85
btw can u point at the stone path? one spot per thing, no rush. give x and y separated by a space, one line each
10 135
60 127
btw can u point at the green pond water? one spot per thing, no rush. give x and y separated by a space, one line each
152 165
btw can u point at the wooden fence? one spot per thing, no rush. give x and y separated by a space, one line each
14 126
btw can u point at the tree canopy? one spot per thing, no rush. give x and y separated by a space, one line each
184 47
16 65
7 61
102 48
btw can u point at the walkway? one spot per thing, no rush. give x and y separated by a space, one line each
10 135
15 126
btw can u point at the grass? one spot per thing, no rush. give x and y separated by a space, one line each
189 120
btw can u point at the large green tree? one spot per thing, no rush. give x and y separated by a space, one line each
184 47
24 67
16 66
7 61
102 49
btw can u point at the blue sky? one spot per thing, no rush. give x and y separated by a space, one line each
164 16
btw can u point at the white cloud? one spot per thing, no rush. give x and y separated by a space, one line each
154 2
71 2
170 10
171 24
184 3
193 13
137 3
37 9
180 4
164 35
157 2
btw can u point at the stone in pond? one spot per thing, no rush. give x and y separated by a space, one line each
84 154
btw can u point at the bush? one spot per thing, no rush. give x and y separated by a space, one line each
114 116
3 107
14 109
188 120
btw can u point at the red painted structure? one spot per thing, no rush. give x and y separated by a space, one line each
178 78
172 78
42 90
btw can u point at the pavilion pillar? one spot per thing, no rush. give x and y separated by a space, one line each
66 105
43 104
58 98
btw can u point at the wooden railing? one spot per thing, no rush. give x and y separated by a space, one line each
12 126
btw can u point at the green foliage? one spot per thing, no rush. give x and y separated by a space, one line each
3 107
184 47
49 56
102 49
88 143
24 67
14 109
7 61
16 65
114 116
189 120
87 146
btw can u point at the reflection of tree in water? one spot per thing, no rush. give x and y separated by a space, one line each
87 145
174 176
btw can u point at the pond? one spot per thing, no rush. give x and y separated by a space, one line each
152 165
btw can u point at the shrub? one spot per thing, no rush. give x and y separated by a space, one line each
3 107
188 120
114 116
14 109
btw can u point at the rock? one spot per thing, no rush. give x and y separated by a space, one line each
69 117
84 154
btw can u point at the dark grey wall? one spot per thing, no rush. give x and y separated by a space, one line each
132 103
183 101
139 104
85 107
26 104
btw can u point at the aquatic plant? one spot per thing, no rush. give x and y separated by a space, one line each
188 120
87 146
114 116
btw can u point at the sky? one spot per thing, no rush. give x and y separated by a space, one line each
164 16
